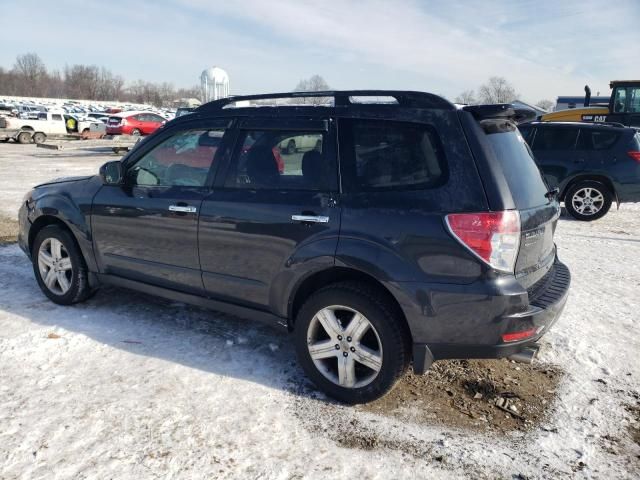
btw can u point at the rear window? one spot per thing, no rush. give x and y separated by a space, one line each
555 138
381 155
525 181
591 139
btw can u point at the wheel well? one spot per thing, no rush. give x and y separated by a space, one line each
45 221
340 274
27 128
594 178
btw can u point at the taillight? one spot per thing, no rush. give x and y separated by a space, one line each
123 122
521 335
494 237
635 155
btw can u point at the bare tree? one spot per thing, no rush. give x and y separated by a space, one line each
468 97
31 71
497 90
545 105
29 77
315 83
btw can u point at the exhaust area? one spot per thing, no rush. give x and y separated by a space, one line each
526 355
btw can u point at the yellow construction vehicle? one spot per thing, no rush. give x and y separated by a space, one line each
624 107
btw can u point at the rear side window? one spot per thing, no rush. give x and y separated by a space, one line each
525 181
555 138
281 160
379 155
591 139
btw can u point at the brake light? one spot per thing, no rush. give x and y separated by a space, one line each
635 155
123 122
494 237
515 336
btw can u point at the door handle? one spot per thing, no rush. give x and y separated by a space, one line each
310 218
182 209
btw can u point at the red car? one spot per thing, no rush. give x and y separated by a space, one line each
134 123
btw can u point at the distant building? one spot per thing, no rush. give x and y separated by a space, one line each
564 103
214 83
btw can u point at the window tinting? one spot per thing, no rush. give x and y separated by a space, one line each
383 155
182 160
271 159
555 138
520 170
56 116
591 139
526 132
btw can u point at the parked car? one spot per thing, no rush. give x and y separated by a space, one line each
591 164
54 123
134 123
431 238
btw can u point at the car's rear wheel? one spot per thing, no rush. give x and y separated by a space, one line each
24 137
350 342
39 137
136 132
59 267
588 200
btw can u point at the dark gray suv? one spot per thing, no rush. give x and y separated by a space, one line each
399 230
591 164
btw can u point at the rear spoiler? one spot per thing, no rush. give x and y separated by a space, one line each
501 111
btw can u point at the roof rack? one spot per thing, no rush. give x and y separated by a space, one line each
342 98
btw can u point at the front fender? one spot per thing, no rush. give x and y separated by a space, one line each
72 209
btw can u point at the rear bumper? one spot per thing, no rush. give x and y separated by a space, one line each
546 303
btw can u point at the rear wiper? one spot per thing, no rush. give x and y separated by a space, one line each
553 193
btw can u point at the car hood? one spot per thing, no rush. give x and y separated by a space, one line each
65 180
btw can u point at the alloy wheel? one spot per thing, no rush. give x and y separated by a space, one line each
54 265
587 201
344 346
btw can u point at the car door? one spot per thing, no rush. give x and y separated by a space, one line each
554 148
147 228
262 225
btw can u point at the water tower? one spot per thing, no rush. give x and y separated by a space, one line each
214 84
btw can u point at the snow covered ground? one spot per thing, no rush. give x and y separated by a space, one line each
129 386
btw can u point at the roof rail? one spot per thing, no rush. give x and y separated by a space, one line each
342 98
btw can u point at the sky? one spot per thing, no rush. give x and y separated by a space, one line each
544 48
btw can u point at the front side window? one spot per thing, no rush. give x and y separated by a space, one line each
634 99
555 139
378 155
620 100
181 160
272 159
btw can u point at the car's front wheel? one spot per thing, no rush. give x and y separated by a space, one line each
588 200
59 267
350 342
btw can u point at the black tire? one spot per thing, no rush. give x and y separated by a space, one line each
39 137
597 190
79 289
393 339
136 132
291 147
24 137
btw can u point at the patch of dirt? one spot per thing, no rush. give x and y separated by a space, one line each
476 394
8 230
634 425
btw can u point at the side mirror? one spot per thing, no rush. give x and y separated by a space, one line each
112 173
